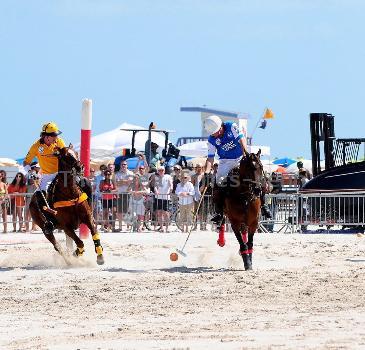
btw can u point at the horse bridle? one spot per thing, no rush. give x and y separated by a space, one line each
253 185
75 164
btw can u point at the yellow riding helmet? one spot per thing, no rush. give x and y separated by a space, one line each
50 129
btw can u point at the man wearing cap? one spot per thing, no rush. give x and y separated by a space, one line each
44 149
156 158
230 144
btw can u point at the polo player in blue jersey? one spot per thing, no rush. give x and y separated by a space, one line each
230 144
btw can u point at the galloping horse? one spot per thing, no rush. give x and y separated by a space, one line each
242 204
70 204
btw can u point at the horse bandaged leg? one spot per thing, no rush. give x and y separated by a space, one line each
247 258
79 251
98 249
221 239
244 236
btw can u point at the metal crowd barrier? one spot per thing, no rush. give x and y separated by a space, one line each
332 209
291 212
14 212
114 212
284 211
125 212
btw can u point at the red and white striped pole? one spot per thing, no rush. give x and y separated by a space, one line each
86 119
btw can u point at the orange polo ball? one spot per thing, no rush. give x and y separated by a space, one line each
174 257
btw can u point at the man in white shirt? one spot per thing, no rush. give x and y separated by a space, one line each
185 192
162 189
123 179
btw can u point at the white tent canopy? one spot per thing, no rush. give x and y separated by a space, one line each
200 149
8 162
111 143
194 149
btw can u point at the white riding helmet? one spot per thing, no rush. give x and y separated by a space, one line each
212 124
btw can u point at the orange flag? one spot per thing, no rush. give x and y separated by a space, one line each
268 114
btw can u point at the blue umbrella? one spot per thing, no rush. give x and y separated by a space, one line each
21 160
285 162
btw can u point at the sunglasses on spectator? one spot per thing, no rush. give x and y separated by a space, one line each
161 170
176 169
124 163
141 168
18 176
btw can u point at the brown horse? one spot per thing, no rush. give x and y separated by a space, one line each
242 204
70 204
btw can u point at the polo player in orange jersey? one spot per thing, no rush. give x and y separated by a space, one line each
43 149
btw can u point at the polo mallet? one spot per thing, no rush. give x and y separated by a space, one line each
181 251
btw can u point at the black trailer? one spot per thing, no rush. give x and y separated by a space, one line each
343 173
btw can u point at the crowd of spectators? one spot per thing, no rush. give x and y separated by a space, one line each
15 199
125 199
151 193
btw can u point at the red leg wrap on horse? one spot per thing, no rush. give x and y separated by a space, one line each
247 251
244 236
221 240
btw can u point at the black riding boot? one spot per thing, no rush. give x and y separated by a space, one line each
49 224
265 211
218 200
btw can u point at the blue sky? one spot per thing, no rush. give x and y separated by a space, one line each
140 61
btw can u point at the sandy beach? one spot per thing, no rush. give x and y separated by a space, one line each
305 292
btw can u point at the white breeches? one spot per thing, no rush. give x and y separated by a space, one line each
224 167
46 179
